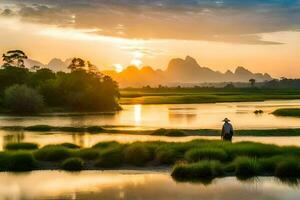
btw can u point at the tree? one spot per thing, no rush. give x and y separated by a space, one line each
252 82
20 99
14 58
77 64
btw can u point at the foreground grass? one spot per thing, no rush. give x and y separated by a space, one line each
158 132
289 112
191 160
203 95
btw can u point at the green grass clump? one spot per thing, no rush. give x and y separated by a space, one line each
268 165
4 160
200 170
289 112
288 168
251 149
21 146
88 154
166 155
21 161
110 158
104 145
137 154
53 153
246 167
72 164
198 154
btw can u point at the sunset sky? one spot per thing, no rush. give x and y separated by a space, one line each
261 35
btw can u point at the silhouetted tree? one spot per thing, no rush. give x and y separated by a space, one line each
77 64
252 82
14 58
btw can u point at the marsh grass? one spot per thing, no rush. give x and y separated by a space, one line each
246 167
21 146
197 158
198 154
21 161
53 153
72 164
289 167
200 170
137 154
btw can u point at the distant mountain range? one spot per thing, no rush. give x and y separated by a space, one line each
182 72
179 71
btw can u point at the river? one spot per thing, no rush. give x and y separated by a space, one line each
188 116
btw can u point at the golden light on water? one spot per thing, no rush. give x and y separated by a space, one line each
137 114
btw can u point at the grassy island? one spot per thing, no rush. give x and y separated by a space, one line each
288 112
189 161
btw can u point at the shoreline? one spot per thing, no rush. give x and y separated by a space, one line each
154 132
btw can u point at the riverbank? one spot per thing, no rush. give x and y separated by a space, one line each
157 132
204 95
193 160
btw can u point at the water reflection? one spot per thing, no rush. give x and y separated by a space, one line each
136 185
88 140
188 116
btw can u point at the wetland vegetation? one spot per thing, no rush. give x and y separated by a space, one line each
189 161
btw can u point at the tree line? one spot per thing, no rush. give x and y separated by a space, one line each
29 91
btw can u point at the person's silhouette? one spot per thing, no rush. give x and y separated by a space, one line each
227 130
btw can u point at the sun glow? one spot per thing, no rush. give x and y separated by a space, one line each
119 68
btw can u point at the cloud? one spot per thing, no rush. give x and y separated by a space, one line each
232 21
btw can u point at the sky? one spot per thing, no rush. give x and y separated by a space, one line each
261 35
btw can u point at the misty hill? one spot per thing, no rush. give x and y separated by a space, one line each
179 72
54 64
182 71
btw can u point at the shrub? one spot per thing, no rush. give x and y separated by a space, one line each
21 161
21 146
246 167
52 153
21 99
110 158
137 154
195 155
288 168
73 164
88 154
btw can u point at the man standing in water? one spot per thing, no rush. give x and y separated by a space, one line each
227 130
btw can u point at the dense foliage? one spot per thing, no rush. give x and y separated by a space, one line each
25 90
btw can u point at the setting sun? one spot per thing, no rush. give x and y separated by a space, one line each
118 68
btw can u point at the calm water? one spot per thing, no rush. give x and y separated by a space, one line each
136 185
175 116
88 140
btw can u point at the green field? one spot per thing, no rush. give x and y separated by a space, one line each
204 95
